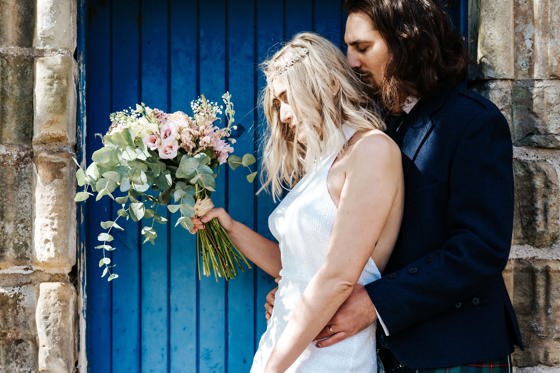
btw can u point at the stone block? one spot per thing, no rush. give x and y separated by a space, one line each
500 93
495 52
55 212
18 355
536 299
16 211
16 98
56 327
536 113
18 23
56 24
537 206
515 38
55 100
537 53
17 312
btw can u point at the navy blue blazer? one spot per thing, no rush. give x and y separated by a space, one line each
442 295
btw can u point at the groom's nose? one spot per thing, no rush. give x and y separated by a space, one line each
353 59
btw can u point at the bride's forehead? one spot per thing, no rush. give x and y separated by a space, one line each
278 87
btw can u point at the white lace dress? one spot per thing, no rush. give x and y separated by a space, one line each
302 224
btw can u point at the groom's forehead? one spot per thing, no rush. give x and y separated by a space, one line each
359 28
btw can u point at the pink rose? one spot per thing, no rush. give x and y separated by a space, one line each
168 150
152 141
168 133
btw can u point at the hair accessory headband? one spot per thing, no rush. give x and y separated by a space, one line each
282 64
297 55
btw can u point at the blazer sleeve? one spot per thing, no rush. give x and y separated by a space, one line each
478 217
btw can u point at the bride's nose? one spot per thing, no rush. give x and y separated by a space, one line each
286 114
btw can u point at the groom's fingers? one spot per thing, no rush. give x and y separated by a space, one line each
269 305
323 334
331 340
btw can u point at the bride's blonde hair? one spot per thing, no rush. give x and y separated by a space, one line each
324 93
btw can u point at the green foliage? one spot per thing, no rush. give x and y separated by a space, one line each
147 185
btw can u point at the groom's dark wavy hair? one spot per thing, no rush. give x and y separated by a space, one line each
427 51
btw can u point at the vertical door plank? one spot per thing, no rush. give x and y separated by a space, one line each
213 295
269 38
183 274
154 258
98 302
329 20
298 17
126 292
241 203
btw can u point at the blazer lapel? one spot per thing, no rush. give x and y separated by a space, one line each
415 136
420 123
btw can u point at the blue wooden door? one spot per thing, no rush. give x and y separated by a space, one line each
158 317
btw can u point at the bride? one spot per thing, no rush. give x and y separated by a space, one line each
337 225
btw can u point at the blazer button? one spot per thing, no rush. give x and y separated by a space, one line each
476 301
458 305
392 275
413 270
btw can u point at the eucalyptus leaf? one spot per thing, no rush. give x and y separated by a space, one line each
104 261
234 161
112 276
203 158
137 210
80 177
149 213
105 156
125 184
113 176
104 237
173 208
105 247
185 223
187 167
92 172
81 196
129 154
110 224
187 210
248 159
121 200
251 177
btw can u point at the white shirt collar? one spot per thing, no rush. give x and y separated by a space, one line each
409 103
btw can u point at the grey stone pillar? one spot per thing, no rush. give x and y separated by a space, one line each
517 49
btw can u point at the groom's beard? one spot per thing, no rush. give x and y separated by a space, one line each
371 88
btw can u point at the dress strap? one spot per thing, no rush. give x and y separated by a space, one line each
348 131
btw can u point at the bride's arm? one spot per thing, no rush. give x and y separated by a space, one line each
373 183
257 248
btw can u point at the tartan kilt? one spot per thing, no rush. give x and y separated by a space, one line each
494 366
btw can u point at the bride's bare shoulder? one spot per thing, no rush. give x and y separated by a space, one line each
374 144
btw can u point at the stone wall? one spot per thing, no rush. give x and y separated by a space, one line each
517 47
38 304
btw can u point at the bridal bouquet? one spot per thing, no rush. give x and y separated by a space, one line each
166 161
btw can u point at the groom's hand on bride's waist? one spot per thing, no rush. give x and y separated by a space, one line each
270 297
355 314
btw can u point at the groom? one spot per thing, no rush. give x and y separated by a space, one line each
442 302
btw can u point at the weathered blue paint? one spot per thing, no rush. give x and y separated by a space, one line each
158 317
